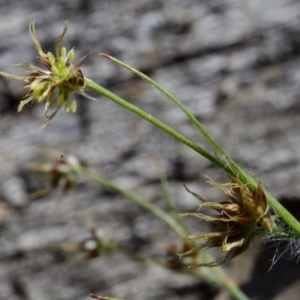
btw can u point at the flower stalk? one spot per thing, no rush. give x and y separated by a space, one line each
103 297
95 246
236 172
213 275
141 113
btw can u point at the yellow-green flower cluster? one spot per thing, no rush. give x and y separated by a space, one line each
55 83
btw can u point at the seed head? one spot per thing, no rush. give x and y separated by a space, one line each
54 84
62 170
237 221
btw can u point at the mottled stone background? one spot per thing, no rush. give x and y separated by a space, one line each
234 63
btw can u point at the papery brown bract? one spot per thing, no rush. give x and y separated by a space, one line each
238 220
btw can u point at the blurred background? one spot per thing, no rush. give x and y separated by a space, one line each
235 64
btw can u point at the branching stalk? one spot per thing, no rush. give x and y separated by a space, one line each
106 93
214 275
138 199
228 167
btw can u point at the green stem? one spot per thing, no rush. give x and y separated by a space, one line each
106 93
215 275
230 167
167 195
235 168
288 218
104 297
231 286
137 199
106 245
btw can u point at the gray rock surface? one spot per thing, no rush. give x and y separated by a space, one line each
234 63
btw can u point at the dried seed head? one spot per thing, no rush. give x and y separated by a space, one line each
62 170
237 221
